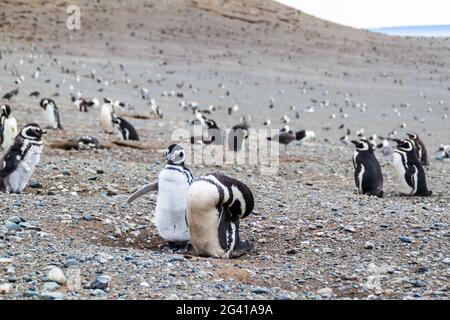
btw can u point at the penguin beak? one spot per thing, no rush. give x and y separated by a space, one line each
396 140
44 131
355 142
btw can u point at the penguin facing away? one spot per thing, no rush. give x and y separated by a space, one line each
410 172
215 205
368 176
172 188
125 129
51 114
8 128
19 162
420 148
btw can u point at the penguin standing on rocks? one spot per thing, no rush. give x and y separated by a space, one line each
107 116
215 205
51 114
420 148
172 188
8 128
368 176
125 129
409 169
19 162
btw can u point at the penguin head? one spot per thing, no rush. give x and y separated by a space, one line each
107 101
43 103
117 122
405 145
32 131
412 135
362 145
211 124
175 154
6 111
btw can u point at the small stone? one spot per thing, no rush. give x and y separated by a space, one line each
70 263
325 292
5 288
98 293
57 275
51 286
12 226
87 217
5 260
292 251
349 229
419 283
368 245
129 258
405 239
52 295
260 290
100 283
144 284
35 185
282 297
65 173
92 178
15 219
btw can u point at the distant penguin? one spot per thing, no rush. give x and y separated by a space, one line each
410 172
125 129
283 137
88 143
214 134
368 176
237 135
51 114
20 160
420 148
8 128
107 116
215 205
172 188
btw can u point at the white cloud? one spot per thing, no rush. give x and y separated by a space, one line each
377 13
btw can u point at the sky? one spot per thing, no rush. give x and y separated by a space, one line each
368 14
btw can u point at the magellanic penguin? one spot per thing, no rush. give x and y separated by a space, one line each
51 114
420 148
8 128
107 116
368 176
125 129
237 135
409 169
172 188
215 205
19 162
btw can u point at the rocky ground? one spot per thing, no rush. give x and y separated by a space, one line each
71 235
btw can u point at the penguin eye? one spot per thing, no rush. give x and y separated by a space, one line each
181 153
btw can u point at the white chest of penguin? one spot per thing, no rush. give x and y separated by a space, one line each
18 179
9 132
171 203
49 116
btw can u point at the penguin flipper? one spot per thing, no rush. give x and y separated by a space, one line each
145 189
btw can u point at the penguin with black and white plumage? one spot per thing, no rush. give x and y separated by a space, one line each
368 176
107 116
237 135
420 148
215 205
8 128
125 129
172 188
410 172
51 114
20 160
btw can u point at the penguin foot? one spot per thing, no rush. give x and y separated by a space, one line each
242 248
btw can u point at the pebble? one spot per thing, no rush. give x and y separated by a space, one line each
368 245
100 282
98 293
12 226
51 286
419 283
57 275
87 217
325 292
52 295
260 290
405 239
5 288
35 185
